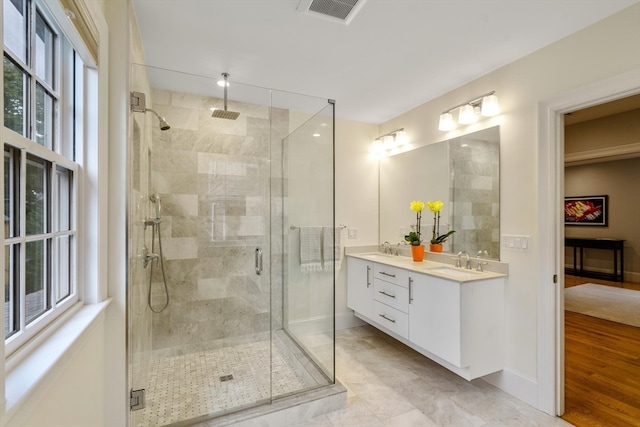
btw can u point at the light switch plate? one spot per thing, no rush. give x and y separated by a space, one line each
353 233
515 242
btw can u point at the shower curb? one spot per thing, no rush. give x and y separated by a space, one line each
281 411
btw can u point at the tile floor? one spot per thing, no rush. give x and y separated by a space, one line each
188 386
389 384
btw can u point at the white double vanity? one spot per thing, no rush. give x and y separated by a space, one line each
454 316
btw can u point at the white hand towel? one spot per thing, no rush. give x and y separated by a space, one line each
310 249
331 248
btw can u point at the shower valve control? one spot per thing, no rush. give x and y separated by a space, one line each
148 257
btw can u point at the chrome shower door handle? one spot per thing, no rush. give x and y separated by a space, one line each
258 261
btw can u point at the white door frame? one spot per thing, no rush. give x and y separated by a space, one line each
550 310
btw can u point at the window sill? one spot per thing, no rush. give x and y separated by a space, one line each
31 366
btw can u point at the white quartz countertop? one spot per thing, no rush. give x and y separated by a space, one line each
432 268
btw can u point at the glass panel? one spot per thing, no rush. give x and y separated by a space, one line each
15 98
312 243
64 177
14 21
11 283
36 298
44 117
44 51
37 195
11 189
62 267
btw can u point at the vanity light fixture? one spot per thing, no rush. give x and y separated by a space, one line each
486 104
389 141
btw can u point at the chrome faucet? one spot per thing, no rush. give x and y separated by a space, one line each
386 246
481 263
459 260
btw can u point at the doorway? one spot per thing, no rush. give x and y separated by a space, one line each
551 359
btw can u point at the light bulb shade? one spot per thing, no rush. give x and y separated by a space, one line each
377 147
466 115
401 137
388 142
490 106
446 122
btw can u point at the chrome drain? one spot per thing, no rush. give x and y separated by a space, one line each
226 377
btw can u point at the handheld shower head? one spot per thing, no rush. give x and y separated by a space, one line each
155 199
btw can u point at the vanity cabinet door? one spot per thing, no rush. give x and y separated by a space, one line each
434 316
360 286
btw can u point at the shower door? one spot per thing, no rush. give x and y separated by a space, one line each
219 190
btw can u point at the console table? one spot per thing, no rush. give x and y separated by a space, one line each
614 245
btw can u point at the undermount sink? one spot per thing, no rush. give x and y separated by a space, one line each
374 256
453 272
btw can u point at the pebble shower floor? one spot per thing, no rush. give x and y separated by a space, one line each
188 386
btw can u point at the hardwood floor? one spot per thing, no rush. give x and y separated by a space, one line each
602 368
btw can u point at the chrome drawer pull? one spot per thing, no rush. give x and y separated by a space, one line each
410 293
387 274
389 295
368 280
386 318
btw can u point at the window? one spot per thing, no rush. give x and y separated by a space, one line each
41 84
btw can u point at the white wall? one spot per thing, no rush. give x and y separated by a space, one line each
356 197
75 396
605 49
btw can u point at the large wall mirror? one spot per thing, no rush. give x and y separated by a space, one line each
464 173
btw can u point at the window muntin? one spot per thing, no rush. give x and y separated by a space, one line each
40 173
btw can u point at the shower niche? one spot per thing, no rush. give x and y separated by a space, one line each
212 200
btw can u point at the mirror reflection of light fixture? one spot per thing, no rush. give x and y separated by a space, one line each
486 104
389 142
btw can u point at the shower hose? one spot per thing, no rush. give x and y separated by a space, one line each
155 229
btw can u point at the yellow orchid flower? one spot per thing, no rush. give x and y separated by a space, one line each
417 206
435 206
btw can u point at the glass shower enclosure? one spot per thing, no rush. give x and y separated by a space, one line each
232 247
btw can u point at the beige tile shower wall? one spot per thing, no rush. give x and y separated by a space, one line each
214 180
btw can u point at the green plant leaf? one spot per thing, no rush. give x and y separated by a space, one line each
442 238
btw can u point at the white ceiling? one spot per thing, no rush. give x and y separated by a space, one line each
394 55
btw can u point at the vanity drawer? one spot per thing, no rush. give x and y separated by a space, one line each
391 274
390 294
392 319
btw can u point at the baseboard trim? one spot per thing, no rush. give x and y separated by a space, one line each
516 385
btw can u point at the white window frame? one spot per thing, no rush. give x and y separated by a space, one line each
63 129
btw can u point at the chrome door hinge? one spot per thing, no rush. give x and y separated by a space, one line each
137 399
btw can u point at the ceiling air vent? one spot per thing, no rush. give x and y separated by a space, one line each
335 10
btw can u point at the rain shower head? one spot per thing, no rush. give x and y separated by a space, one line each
225 114
138 103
